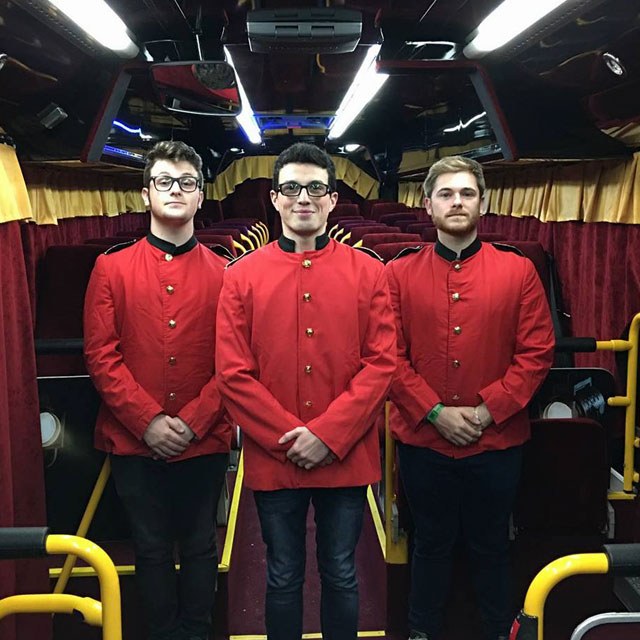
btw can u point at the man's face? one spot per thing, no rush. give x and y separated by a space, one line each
175 206
455 201
303 215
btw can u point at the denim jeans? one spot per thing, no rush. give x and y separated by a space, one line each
168 503
472 497
338 517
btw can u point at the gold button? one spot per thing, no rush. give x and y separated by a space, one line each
455 297
310 332
172 324
457 266
456 364
168 257
307 369
172 360
170 289
306 297
306 264
172 396
457 330
455 396
308 403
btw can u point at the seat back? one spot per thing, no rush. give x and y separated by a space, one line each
417 227
372 239
383 208
609 626
357 233
429 234
392 218
342 209
389 250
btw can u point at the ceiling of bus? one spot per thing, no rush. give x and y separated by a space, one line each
564 66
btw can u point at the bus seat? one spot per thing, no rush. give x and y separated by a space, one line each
357 233
211 210
382 208
342 209
490 237
405 224
242 207
534 251
565 478
222 239
392 218
417 227
367 205
372 239
389 250
429 234
609 626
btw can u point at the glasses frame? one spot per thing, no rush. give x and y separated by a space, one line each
305 187
173 181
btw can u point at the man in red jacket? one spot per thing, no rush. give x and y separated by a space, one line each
305 356
149 331
475 341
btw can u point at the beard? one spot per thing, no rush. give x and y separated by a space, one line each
457 228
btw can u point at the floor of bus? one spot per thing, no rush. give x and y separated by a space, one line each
240 598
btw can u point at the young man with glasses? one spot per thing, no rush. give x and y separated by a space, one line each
305 356
149 330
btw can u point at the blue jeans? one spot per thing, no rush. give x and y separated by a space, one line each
283 518
169 503
472 497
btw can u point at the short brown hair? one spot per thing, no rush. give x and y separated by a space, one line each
175 151
453 164
305 153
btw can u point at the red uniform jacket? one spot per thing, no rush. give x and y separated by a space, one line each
469 330
149 334
306 339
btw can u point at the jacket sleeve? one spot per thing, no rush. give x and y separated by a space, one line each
249 402
532 357
409 390
351 414
205 410
126 399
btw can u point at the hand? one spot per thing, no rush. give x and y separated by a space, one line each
328 460
483 416
165 437
458 425
187 431
308 450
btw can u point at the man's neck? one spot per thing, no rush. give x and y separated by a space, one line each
177 235
457 243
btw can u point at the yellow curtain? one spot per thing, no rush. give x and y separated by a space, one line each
56 195
590 191
262 167
14 200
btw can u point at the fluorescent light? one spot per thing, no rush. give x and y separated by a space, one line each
463 125
245 118
505 22
350 148
101 22
128 129
363 88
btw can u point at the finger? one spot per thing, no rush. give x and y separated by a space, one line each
175 439
290 435
175 425
309 465
173 449
162 453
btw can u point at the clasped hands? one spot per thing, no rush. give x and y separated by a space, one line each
308 451
167 437
463 426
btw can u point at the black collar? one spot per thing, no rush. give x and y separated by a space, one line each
169 247
467 252
288 245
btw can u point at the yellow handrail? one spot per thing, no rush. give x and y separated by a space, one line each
90 609
247 240
554 573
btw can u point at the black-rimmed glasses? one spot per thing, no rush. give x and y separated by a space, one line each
314 189
165 183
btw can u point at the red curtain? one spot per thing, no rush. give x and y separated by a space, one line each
21 470
599 268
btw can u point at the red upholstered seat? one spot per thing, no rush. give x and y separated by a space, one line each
211 210
225 240
389 250
383 208
392 218
366 206
491 237
344 210
248 208
429 234
534 251
417 227
235 233
372 239
357 233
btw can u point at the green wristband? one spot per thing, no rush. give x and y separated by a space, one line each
435 412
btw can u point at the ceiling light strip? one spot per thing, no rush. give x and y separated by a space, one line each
246 118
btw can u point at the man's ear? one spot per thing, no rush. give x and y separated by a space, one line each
427 206
145 197
274 196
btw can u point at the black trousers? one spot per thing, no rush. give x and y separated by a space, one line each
472 497
169 503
